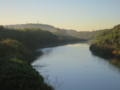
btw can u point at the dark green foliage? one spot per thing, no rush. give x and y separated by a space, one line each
108 39
16 75
17 49
73 34
10 48
101 51
15 71
65 36
31 37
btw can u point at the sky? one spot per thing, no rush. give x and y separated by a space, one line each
80 15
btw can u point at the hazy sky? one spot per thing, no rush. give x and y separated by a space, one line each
68 14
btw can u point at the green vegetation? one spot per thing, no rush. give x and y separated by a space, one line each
64 36
74 35
17 51
107 42
31 37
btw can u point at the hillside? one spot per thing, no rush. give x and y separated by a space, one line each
17 51
63 33
107 42
40 26
84 35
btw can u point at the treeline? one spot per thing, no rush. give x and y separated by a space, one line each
65 36
17 51
107 42
31 37
75 35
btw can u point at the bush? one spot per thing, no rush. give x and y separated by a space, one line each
16 73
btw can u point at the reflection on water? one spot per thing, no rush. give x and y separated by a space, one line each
78 69
115 62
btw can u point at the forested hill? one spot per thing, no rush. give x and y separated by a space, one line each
17 51
85 35
107 41
62 33
31 37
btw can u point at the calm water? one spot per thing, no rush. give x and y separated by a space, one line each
73 67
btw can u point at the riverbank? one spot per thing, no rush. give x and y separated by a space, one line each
72 67
17 51
16 72
107 43
104 51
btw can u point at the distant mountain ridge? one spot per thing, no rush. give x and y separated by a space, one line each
41 26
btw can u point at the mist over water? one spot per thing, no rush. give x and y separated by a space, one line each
74 67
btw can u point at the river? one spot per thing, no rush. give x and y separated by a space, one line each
74 67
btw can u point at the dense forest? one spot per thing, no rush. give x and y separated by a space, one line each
17 51
107 42
31 37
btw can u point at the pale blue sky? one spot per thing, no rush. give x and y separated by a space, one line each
81 15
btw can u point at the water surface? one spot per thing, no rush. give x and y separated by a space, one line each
74 67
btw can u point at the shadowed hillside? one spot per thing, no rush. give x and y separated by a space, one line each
62 33
17 51
84 35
